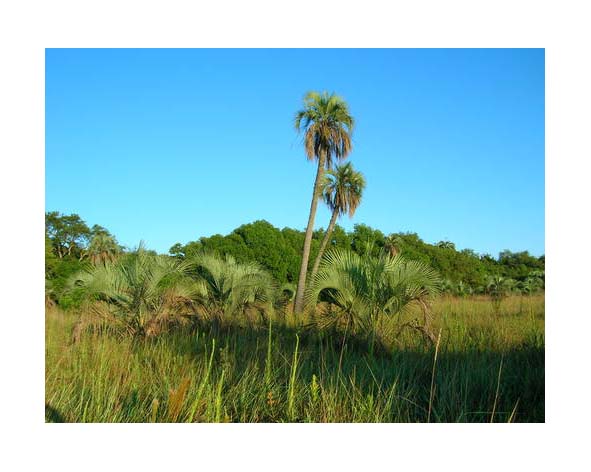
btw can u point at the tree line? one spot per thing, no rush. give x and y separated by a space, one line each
70 244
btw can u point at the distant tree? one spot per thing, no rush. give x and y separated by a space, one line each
498 288
518 265
392 244
103 247
446 245
177 250
69 234
365 238
327 126
50 258
342 190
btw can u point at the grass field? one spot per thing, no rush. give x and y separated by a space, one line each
486 367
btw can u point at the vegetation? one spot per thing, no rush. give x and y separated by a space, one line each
232 328
367 292
327 126
207 338
244 372
462 271
341 190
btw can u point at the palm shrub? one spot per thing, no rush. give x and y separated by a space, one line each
226 288
363 292
142 291
498 288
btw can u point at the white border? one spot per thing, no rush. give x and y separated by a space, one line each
26 28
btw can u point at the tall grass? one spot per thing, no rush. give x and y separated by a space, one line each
248 373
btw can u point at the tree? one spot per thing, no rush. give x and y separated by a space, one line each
365 289
392 244
364 238
141 290
102 248
228 288
69 234
498 288
327 126
342 190
50 259
446 245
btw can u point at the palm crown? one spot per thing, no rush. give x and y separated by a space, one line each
327 125
343 188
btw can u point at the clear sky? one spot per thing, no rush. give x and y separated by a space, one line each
171 145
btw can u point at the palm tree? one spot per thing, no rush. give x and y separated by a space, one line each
102 248
327 126
342 189
366 289
498 288
392 244
227 288
141 290
446 245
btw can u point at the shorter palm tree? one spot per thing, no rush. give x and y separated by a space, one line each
366 290
226 288
342 190
141 290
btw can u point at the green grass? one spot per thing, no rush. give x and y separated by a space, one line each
488 368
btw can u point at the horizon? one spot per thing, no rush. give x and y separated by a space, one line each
175 145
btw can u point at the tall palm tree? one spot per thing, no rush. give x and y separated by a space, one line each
327 126
342 190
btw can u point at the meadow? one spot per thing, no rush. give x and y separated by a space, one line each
487 365
269 325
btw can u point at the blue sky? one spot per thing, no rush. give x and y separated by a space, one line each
167 145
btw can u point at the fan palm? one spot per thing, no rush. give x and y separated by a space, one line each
102 248
227 287
141 289
327 126
342 190
498 288
392 244
367 289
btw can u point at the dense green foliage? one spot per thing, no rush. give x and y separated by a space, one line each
279 252
70 246
365 293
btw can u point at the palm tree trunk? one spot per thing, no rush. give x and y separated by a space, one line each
299 299
333 220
